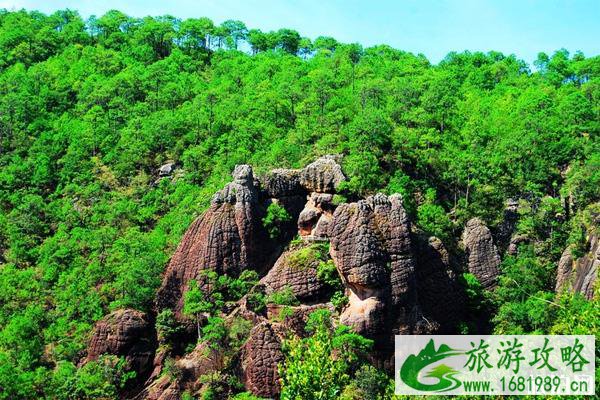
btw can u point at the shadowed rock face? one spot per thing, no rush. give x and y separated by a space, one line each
282 182
126 333
579 275
260 359
483 259
371 247
228 238
440 294
315 218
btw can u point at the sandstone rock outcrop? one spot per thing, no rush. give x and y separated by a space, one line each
297 269
515 242
371 247
483 259
282 182
260 360
579 275
394 284
228 238
564 270
316 217
127 333
323 175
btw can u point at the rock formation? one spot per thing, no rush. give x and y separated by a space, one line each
483 259
315 218
261 357
227 238
439 291
322 176
396 282
297 269
126 333
371 247
579 275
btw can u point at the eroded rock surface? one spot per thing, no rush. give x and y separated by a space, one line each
228 238
297 269
483 259
371 247
126 333
282 182
564 270
579 275
323 175
261 357
316 217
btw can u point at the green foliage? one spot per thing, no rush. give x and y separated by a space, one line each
473 290
368 383
283 297
311 370
576 315
238 332
339 300
274 219
304 257
211 298
172 370
246 396
433 219
167 326
524 295
214 332
327 273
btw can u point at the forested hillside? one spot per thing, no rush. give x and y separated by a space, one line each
91 109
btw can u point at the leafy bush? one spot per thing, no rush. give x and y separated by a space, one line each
275 218
215 332
305 256
318 366
433 219
327 273
283 297
339 300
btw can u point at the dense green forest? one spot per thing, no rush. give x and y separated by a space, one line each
90 109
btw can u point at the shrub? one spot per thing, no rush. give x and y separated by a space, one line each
319 366
214 332
276 217
283 297
328 274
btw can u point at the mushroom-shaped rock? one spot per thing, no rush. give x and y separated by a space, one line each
227 238
260 360
371 247
126 333
323 175
297 269
483 259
